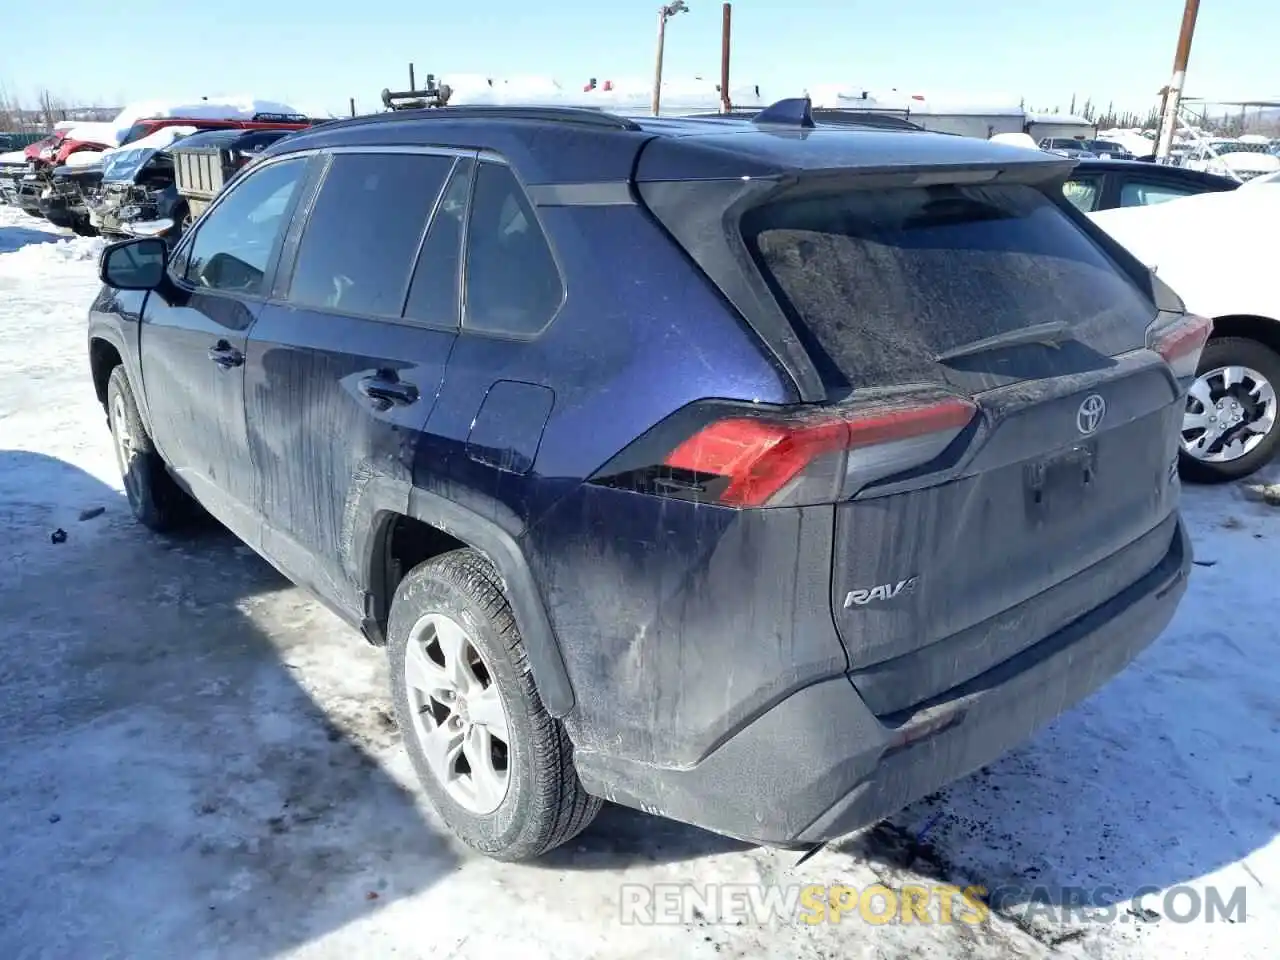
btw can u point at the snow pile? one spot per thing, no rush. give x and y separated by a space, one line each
86 158
847 97
623 95
162 139
200 108
1023 140
1131 140
104 133
34 257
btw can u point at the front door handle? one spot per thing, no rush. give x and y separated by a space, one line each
384 391
225 355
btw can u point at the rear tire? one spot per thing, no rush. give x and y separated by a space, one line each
534 800
1255 356
154 497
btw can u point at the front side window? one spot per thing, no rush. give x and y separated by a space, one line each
234 243
360 242
513 284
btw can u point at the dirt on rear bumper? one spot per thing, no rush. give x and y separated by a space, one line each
820 764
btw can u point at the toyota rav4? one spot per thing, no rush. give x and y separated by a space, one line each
755 473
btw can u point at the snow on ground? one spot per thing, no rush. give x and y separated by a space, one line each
196 760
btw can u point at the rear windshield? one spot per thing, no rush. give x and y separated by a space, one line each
885 281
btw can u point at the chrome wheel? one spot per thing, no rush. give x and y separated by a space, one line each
1230 410
457 712
126 450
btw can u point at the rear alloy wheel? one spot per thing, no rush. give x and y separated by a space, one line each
497 767
457 713
1229 428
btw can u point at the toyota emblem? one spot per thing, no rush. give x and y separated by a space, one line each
1090 414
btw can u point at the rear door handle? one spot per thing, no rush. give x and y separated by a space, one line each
225 355
384 391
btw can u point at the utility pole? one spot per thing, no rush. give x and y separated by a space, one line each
726 22
665 13
1173 98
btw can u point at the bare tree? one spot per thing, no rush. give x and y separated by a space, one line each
52 108
11 114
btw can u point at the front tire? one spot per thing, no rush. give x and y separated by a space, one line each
497 767
1230 428
154 497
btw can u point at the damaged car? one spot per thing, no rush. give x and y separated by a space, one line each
141 192
81 144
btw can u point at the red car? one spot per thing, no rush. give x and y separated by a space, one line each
260 121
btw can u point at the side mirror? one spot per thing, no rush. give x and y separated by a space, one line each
138 264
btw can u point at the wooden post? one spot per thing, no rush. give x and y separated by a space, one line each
1181 56
726 103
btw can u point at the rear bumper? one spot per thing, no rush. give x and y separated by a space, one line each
821 764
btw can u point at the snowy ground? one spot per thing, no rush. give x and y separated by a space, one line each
197 760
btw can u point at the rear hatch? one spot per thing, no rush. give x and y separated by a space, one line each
1009 399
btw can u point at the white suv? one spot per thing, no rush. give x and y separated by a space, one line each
1218 251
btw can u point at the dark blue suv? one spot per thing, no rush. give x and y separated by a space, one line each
759 474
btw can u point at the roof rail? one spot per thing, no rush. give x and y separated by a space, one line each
590 116
792 112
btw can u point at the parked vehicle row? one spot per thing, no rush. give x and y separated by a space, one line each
85 176
756 475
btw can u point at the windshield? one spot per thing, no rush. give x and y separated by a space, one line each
125 164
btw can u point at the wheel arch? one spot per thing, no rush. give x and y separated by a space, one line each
1249 326
386 503
104 356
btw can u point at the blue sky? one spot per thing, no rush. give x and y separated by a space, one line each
319 52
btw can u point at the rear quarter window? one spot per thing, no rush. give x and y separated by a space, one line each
882 282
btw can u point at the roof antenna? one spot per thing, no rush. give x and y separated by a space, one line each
792 112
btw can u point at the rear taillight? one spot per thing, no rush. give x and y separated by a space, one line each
819 456
1180 340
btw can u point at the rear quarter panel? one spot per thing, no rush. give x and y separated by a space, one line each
658 609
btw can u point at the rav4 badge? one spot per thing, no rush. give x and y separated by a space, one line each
885 591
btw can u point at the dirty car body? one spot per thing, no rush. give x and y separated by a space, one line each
820 466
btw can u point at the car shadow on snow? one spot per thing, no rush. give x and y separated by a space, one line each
621 837
13 239
167 785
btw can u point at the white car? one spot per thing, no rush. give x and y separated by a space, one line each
1218 252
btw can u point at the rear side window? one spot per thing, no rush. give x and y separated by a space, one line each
885 281
1083 192
1143 193
433 293
362 237
513 284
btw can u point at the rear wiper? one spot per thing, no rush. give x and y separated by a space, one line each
1050 334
